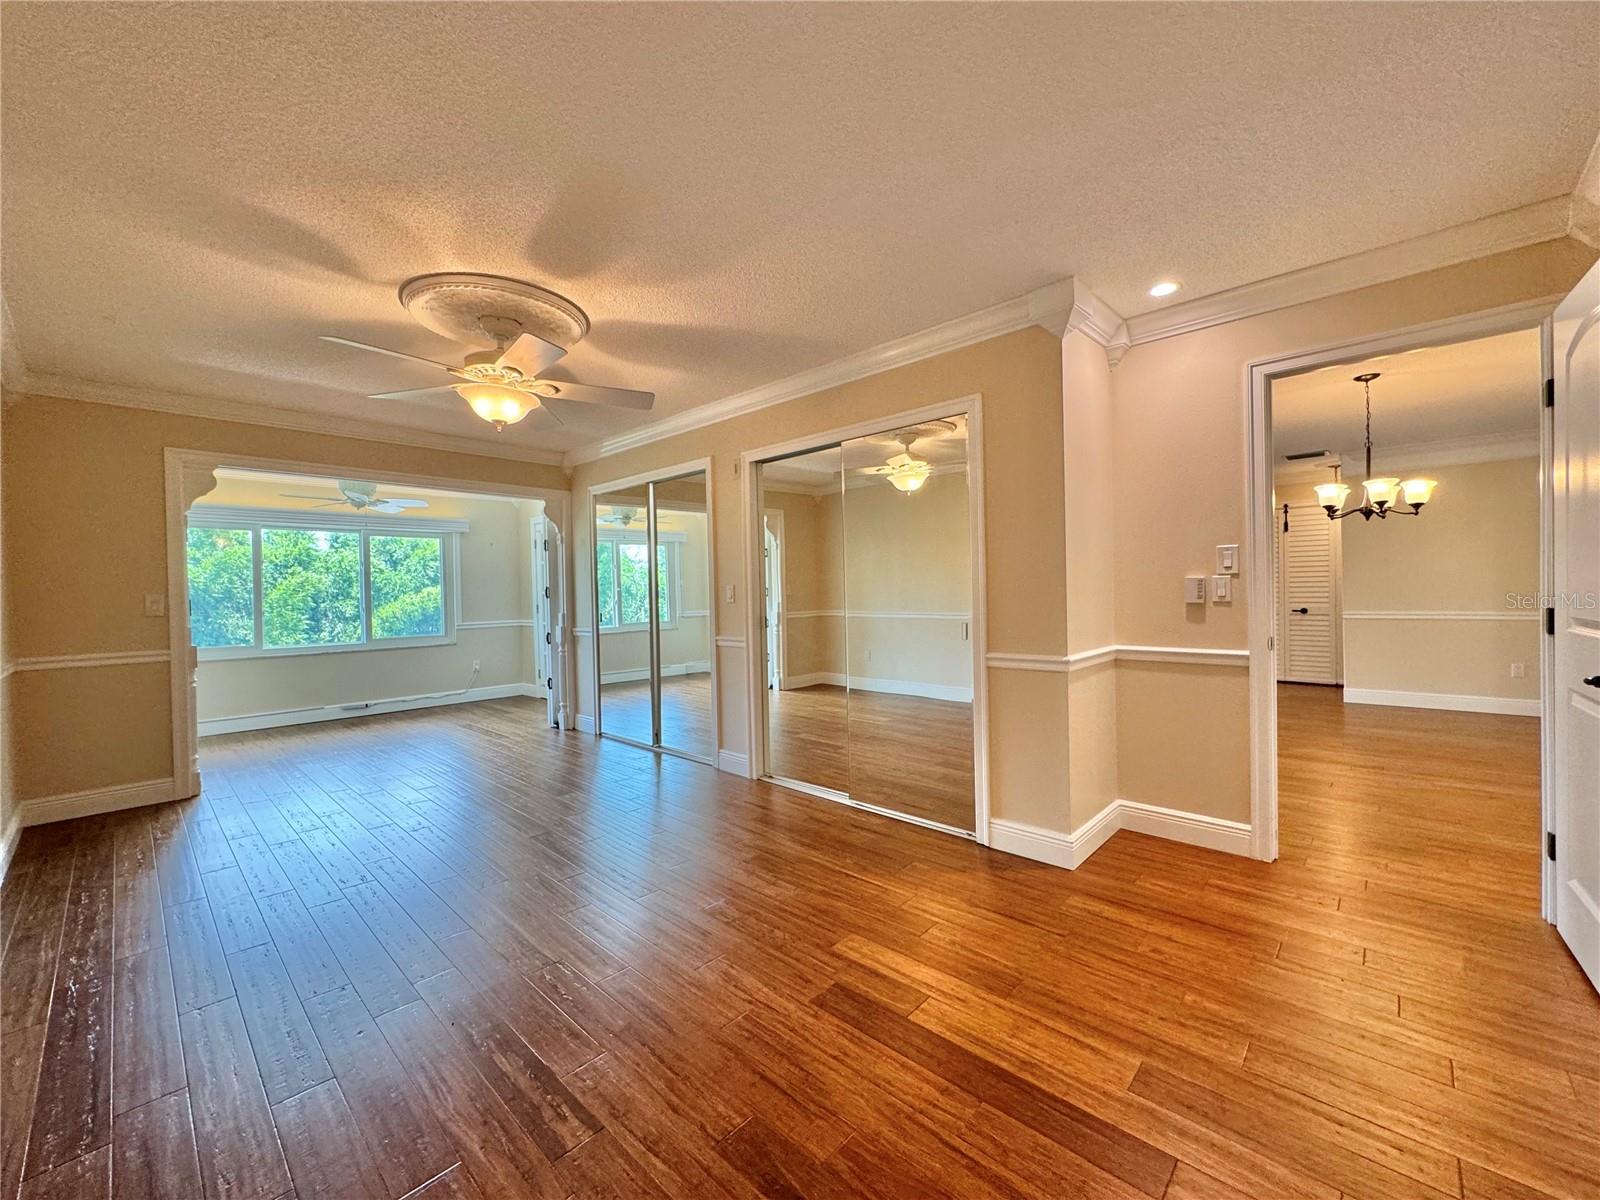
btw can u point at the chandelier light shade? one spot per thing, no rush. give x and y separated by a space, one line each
500 406
1382 496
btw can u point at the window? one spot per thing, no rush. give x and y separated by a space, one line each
622 581
222 590
269 584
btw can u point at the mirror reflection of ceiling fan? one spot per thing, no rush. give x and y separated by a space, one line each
360 496
505 384
619 516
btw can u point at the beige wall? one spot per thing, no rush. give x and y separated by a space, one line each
1091 496
496 584
8 807
1474 546
86 540
1019 377
1179 437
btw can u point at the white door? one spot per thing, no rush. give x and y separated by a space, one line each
772 566
549 662
1576 723
1308 597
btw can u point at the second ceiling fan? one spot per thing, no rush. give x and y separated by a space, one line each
504 384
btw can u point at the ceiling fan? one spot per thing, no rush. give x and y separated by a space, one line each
906 473
505 384
361 497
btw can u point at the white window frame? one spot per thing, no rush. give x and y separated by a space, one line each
254 520
672 542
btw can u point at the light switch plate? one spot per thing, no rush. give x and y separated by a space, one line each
1222 589
1194 589
1227 560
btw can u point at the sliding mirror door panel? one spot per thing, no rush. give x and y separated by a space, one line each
803 548
622 620
683 609
908 623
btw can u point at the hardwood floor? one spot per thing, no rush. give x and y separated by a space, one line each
455 954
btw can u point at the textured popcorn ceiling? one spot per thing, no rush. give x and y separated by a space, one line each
1489 387
734 194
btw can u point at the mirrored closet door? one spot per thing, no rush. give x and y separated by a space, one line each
867 581
652 587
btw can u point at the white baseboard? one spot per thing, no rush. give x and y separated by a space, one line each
340 712
889 687
734 763
1443 700
1072 850
585 723
8 841
64 807
642 673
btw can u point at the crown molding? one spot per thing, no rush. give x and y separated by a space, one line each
1510 230
246 413
1070 305
1050 307
1449 452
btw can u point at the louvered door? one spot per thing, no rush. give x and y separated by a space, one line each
1308 650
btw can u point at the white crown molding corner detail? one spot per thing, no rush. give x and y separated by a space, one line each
1510 230
1070 304
1509 614
8 840
245 413
95 801
1072 850
1584 222
1443 702
734 762
60 662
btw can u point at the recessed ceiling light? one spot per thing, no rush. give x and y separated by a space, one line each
1165 288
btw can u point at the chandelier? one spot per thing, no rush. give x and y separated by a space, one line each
1381 495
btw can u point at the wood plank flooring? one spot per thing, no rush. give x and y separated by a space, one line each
455 954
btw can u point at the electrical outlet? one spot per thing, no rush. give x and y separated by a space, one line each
155 604
477 664
1519 670
727 593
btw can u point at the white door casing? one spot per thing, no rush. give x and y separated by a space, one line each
1308 597
1576 719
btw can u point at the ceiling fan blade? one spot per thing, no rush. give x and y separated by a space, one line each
399 502
411 393
327 337
550 412
308 496
384 506
531 355
584 393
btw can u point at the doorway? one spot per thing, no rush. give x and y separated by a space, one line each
1446 706
866 681
654 662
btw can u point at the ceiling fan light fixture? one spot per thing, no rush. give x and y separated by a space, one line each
907 474
500 406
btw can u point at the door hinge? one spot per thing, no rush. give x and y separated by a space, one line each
1549 393
1550 622
1550 846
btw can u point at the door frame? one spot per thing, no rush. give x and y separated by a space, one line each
1260 530
640 479
971 407
191 474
